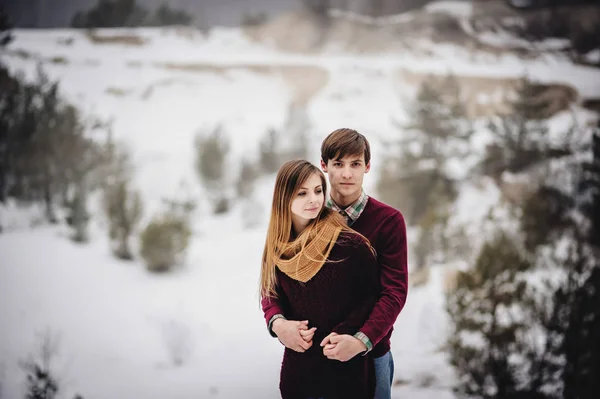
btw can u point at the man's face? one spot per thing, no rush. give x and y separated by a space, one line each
346 175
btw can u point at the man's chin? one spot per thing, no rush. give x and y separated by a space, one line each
347 191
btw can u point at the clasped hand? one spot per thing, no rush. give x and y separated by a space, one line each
296 336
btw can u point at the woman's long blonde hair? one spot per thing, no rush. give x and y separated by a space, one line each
291 176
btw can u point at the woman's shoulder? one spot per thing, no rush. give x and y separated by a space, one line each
351 239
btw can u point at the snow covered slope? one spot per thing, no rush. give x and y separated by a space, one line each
123 330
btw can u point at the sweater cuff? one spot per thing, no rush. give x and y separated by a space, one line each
270 326
365 340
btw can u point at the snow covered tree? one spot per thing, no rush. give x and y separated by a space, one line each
269 156
296 129
521 136
417 175
495 320
543 301
165 15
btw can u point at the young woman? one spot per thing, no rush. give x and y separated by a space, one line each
321 271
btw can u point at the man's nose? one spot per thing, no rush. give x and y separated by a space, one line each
346 173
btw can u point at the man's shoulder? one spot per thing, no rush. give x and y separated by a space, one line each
381 210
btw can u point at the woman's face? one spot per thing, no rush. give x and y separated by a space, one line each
309 200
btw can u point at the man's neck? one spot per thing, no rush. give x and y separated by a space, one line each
343 201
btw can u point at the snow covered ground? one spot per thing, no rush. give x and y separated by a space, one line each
199 332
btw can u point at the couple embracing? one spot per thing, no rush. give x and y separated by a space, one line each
333 276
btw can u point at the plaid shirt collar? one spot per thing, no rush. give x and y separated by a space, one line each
351 212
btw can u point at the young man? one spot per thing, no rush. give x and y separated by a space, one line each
345 158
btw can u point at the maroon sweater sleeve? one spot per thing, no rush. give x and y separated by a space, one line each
271 306
392 258
366 263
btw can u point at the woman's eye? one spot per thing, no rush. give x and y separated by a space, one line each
301 194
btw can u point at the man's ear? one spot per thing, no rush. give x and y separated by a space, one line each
323 166
368 167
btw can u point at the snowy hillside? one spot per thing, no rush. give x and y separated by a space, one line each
122 329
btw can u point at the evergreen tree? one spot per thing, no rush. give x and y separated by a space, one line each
559 224
581 346
165 15
493 342
5 27
417 179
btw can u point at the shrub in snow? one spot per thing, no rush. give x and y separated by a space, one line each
249 172
211 153
164 241
123 208
121 204
41 381
77 214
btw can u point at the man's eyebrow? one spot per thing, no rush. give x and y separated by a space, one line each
351 160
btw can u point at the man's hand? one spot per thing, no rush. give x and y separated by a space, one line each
294 334
342 347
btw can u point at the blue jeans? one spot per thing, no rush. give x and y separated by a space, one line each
384 376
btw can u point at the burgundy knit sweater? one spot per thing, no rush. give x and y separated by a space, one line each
339 298
385 228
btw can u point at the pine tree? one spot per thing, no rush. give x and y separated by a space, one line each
493 343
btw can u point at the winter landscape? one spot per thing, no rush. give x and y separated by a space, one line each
194 123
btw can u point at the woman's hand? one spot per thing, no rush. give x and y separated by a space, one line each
294 335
